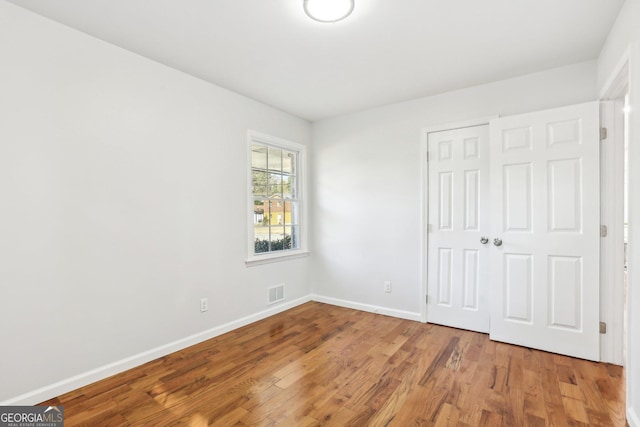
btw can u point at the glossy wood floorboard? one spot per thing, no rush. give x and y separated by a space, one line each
320 365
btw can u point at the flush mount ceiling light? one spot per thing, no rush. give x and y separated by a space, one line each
329 11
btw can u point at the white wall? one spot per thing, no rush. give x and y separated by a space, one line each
367 185
122 185
624 42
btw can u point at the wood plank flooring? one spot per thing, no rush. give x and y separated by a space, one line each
320 365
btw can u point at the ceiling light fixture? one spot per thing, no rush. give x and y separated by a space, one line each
328 11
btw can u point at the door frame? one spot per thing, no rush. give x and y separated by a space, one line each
612 195
424 195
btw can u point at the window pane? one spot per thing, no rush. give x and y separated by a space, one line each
289 162
291 213
275 159
275 185
278 241
288 187
260 227
292 237
276 214
258 212
258 157
261 246
259 183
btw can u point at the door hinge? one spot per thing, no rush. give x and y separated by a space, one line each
604 231
427 157
603 328
603 134
426 299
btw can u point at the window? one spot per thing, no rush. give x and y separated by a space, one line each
275 193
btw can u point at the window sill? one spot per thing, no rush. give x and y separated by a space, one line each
268 259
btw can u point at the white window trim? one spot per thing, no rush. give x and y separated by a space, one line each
302 251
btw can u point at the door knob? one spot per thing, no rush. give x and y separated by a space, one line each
497 242
484 240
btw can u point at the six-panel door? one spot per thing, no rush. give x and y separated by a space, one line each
545 209
458 215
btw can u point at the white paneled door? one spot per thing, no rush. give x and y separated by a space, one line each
458 261
530 185
545 214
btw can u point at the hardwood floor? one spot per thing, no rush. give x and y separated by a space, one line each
323 365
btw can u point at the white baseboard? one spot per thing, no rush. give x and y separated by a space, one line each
632 418
61 387
369 308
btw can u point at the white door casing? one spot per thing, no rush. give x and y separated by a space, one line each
545 209
612 248
458 263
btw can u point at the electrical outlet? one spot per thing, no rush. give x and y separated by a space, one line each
204 304
387 286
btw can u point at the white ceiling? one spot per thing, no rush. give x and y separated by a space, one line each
387 51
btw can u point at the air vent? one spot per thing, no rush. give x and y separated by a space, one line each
276 294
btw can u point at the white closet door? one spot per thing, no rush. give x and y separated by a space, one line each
545 210
458 263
